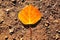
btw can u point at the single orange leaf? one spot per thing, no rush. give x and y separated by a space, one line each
29 15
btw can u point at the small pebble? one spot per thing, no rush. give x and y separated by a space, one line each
47 21
12 0
46 11
56 21
7 9
41 0
21 38
57 36
51 17
46 24
11 30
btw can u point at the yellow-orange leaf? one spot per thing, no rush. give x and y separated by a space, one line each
29 15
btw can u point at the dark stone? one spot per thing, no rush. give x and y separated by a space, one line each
11 33
48 6
14 39
6 38
1 22
58 32
59 5
2 0
10 27
16 19
14 1
23 0
39 9
21 36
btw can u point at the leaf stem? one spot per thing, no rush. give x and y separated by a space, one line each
30 33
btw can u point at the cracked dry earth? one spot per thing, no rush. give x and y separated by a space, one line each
48 27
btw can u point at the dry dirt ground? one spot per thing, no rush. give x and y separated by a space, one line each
48 27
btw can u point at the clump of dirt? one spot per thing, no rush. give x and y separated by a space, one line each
47 29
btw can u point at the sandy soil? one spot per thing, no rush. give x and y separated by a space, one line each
48 27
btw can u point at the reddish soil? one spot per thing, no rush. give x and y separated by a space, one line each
48 27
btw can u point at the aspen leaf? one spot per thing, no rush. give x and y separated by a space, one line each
29 15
